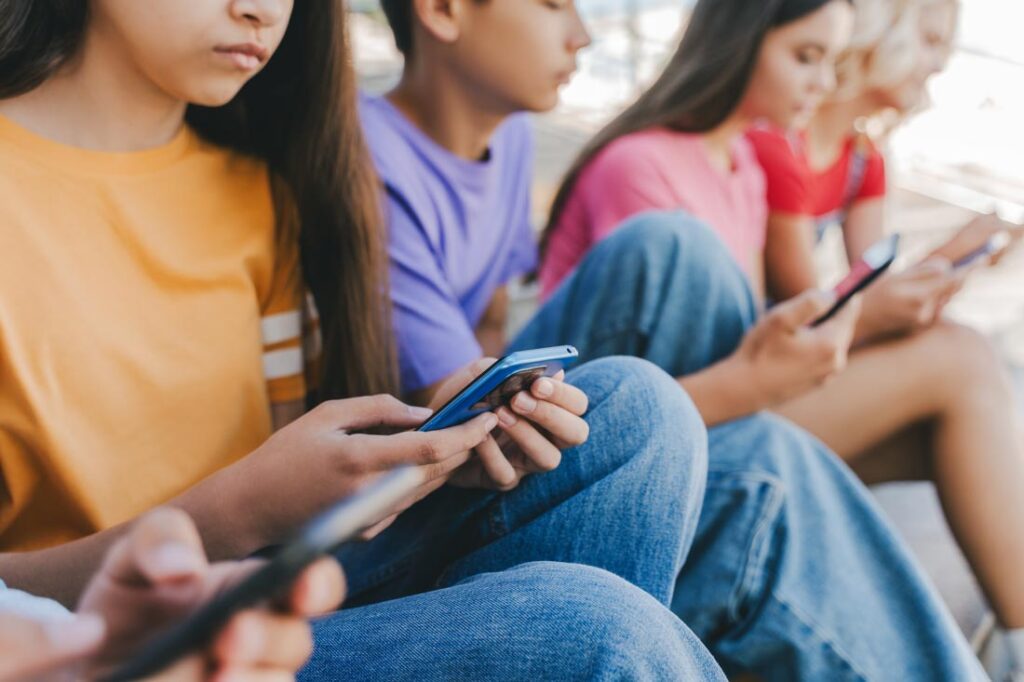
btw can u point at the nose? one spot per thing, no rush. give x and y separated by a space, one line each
579 37
260 13
939 58
826 78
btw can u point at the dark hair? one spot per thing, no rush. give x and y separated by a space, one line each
400 14
299 116
702 84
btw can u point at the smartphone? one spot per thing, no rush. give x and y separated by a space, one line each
876 260
500 383
319 538
996 244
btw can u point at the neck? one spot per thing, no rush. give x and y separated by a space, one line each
99 101
719 140
461 121
834 121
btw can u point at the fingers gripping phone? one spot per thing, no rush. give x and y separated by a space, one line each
994 245
342 522
876 260
321 537
500 383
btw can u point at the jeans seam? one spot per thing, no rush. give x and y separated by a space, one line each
752 565
825 639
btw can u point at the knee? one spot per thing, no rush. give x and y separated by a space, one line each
609 628
635 396
963 362
642 421
663 240
790 463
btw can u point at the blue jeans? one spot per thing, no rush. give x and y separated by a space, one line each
569 576
794 573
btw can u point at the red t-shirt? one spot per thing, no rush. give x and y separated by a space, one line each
793 187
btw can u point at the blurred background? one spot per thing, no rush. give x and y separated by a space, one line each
963 155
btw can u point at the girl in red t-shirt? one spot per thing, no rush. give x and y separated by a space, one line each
922 397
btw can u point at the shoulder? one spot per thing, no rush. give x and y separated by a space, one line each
402 170
513 149
873 174
746 160
389 147
632 156
515 134
773 149
784 173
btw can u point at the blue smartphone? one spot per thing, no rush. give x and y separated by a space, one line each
500 383
342 522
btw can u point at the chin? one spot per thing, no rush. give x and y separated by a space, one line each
215 94
787 120
542 104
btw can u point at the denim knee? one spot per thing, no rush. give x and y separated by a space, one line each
660 242
631 394
608 629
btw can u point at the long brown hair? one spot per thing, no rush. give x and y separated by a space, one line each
299 116
703 83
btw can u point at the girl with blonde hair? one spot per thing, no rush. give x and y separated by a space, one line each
944 389
918 397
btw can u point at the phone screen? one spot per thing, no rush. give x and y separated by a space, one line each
503 393
875 261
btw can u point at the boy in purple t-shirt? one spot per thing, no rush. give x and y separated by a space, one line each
455 156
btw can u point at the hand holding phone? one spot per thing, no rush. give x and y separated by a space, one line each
539 416
783 356
876 260
346 519
993 246
500 383
274 578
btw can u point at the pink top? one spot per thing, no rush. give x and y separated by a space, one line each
660 169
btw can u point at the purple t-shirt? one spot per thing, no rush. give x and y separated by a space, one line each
457 230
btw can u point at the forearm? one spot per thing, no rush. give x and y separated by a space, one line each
62 572
226 513
226 525
723 392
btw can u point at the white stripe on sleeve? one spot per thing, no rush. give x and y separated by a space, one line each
281 327
286 362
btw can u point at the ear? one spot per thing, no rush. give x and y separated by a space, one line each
440 19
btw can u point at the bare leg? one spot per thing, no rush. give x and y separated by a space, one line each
937 405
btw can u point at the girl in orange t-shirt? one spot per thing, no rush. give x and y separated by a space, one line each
173 177
160 163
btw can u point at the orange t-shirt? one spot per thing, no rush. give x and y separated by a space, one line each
147 321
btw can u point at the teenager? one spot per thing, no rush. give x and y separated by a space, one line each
793 573
830 174
900 410
154 343
157 573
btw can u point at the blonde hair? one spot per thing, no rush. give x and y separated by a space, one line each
883 50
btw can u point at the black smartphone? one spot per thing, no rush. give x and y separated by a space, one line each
319 538
876 260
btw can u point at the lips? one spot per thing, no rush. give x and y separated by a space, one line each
245 56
